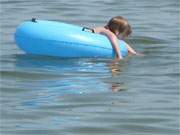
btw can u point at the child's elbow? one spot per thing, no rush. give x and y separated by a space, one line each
112 37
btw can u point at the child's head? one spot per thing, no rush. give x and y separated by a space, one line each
119 26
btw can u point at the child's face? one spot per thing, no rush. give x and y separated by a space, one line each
122 36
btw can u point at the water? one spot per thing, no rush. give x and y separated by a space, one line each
47 95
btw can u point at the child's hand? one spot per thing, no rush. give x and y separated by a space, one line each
117 59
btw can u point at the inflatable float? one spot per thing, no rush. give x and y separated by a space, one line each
53 38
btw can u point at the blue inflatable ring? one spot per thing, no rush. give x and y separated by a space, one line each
63 40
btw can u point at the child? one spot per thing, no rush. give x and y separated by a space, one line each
117 27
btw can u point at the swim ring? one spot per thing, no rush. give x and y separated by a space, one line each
60 39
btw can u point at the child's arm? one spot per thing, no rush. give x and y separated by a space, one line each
132 51
114 42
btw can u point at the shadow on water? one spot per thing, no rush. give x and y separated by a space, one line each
149 46
44 62
145 40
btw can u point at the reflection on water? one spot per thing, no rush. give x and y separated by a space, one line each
59 68
115 67
116 87
44 66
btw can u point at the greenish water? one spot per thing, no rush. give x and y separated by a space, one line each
47 95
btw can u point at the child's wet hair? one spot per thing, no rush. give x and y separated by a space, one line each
119 24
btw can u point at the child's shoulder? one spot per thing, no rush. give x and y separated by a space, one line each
100 29
103 30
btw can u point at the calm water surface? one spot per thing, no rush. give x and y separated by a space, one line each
53 96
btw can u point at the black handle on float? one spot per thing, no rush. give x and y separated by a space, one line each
33 20
92 30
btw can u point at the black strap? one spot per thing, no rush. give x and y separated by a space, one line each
86 28
33 20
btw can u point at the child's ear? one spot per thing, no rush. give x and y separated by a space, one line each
117 33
